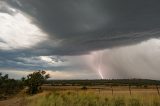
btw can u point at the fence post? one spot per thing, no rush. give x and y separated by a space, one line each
112 89
129 89
157 90
99 90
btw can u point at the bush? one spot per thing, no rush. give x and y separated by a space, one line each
84 88
8 86
35 80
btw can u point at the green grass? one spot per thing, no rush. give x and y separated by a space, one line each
92 98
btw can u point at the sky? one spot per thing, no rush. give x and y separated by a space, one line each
80 39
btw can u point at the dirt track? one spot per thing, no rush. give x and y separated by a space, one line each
11 102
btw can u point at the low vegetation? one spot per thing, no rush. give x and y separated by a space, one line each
9 86
92 98
124 92
34 81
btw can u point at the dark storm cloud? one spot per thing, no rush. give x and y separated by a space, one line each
77 27
86 25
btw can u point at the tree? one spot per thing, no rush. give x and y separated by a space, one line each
9 86
35 80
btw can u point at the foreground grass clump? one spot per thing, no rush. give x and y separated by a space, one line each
83 98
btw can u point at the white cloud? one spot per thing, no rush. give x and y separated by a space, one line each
17 32
42 61
47 59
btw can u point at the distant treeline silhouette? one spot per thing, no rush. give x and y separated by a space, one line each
106 82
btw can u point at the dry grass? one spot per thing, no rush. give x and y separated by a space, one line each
74 96
94 97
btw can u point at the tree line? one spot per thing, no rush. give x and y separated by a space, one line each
31 83
106 82
9 86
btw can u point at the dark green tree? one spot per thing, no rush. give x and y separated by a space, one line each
35 80
9 86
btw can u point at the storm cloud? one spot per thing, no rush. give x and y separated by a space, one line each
82 26
31 29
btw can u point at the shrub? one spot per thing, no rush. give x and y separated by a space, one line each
84 88
35 80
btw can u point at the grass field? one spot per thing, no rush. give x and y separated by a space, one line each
92 96
72 96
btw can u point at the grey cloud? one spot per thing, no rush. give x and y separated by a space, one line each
4 8
83 26
77 27
28 62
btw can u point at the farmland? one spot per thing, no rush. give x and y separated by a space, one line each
64 93
94 97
